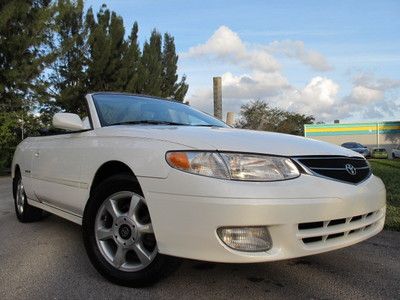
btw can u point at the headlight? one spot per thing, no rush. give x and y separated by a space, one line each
235 166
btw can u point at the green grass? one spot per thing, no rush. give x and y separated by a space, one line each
389 172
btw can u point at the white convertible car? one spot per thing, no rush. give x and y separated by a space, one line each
152 179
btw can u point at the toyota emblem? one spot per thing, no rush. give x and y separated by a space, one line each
351 169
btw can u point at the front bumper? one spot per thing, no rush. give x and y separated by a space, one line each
186 211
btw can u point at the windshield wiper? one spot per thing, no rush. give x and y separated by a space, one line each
150 122
205 125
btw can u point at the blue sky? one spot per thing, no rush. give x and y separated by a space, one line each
332 59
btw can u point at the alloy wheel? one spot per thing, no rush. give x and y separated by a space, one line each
20 197
124 233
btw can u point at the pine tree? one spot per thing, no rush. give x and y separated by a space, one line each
169 61
129 73
170 87
80 53
52 54
106 48
181 89
151 68
99 49
25 28
69 77
118 47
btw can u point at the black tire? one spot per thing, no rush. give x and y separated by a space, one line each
161 266
25 212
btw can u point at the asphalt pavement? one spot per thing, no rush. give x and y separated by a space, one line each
47 260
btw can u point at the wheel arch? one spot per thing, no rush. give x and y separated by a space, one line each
16 170
108 169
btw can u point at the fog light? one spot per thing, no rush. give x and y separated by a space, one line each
250 239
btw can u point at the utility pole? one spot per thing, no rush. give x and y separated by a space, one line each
217 88
22 122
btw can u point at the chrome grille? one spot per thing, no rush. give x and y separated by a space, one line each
346 169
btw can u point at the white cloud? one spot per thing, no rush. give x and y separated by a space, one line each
370 81
368 90
227 45
255 86
367 99
319 97
369 96
263 80
364 95
320 91
224 42
297 50
237 90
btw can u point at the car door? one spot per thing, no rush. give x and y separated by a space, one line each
57 165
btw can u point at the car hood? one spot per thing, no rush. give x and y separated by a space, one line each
231 139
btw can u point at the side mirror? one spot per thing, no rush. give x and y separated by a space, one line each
67 121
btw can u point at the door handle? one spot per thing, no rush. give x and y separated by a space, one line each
36 154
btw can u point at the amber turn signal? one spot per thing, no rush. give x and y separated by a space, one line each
178 160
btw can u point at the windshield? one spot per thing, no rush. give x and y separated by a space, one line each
115 109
